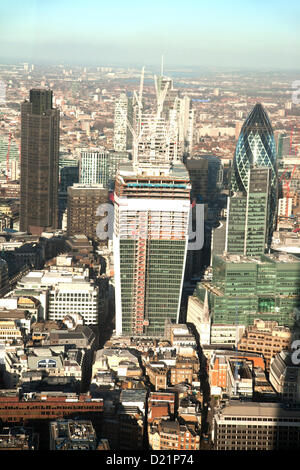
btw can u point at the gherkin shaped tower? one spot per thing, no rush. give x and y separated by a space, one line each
256 148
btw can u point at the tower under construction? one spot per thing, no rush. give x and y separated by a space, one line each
152 206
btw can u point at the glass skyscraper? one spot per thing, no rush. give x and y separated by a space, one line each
39 163
256 147
247 215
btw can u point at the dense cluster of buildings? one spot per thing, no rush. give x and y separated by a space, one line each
149 271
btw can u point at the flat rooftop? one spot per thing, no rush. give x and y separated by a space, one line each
259 410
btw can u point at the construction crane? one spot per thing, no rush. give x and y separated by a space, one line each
139 97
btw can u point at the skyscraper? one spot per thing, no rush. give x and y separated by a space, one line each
176 108
83 203
248 215
123 111
39 162
94 166
152 205
256 147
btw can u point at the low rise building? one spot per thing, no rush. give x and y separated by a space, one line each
15 408
112 359
185 370
10 332
19 438
244 425
266 338
158 374
239 379
69 434
172 436
66 292
285 377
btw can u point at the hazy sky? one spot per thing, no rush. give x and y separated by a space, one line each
233 33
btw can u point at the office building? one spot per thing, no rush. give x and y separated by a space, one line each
239 379
150 243
19 438
21 408
4 277
10 332
185 118
256 148
69 434
244 289
198 172
283 144
68 298
178 109
123 110
64 293
248 215
173 436
285 376
240 425
266 338
84 201
39 163
68 174
94 166
115 158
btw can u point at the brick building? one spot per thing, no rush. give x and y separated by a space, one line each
266 338
171 435
46 405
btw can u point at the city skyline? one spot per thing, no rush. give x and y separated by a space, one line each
202 34
149 228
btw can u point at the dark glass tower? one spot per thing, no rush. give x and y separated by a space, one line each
39 163
256 147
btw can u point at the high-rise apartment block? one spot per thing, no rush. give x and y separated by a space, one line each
39 163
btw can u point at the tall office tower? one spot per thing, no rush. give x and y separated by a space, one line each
176 108
123 111
256 147
152 205
185 118
94 166
282 144
39 163
164 86
248 215
157 143
83 203
152 208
